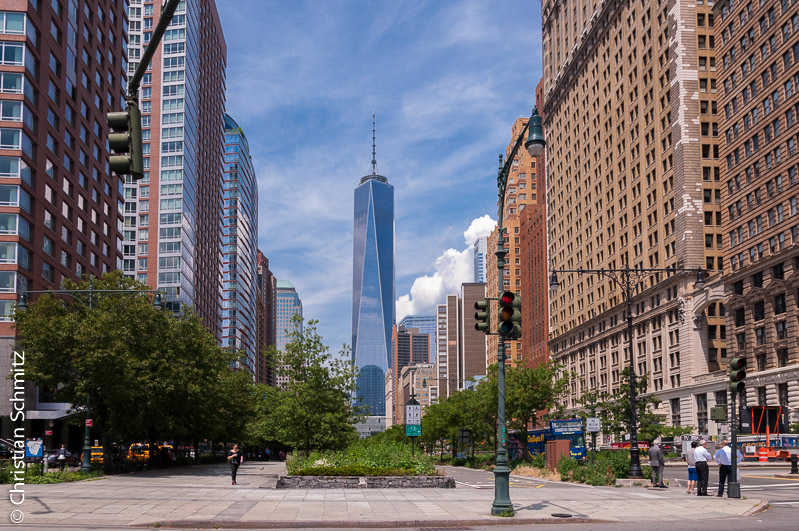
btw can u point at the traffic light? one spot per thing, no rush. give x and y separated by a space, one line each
482 316
737 374
510 316
125 140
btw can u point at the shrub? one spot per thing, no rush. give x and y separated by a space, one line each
34 474
608 466
367 454
354 470
539 461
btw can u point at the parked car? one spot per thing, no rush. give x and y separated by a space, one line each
70 459
6 449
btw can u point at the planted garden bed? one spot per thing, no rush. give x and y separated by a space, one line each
364 464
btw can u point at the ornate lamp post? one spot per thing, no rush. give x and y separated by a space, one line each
535 146
22 305
628 280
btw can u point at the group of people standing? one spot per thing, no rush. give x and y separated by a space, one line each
699 471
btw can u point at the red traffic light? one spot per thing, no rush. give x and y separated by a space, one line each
507 298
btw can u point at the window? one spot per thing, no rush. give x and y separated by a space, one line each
760 336
781 328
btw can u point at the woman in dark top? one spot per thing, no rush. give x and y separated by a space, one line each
235 458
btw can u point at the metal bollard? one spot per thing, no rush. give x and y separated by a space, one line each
794 468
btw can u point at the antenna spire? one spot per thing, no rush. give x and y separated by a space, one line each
374 159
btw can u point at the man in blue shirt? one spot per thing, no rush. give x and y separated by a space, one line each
724 458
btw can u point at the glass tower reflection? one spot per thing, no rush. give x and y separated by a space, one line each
373 293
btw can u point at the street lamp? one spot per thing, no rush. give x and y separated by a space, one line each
628 280
535 147
22 305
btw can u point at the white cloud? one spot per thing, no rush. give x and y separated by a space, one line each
452 268
480 227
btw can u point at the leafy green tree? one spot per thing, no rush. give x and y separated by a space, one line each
435 426
149 375
313 411
615 410
529 392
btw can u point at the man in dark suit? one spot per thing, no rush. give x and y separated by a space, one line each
657 464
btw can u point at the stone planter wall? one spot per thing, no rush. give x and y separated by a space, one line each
364 482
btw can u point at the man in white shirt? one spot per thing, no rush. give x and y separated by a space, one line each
724 458
702 456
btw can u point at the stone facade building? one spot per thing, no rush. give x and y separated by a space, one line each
758 55
633 180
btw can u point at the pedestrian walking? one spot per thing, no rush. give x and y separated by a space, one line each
724 458
657 464
701 457
62 457
235 458
689 458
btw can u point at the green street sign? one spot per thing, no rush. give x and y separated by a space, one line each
413 430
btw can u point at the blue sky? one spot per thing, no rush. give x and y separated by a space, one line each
446 79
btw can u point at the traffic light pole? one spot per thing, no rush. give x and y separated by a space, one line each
628 280
734 488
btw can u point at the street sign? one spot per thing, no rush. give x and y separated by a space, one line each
592 424
34 448
413 430
413 414
88 423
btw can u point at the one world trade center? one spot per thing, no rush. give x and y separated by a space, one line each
373 292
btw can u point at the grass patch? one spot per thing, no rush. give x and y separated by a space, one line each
363 458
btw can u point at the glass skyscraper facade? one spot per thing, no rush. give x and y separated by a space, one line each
172 216
373 291
288 304
239 247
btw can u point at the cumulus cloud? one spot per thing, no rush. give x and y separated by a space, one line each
452 268
479 227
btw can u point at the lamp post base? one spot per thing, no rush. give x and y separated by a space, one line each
733 489
502 505
635 465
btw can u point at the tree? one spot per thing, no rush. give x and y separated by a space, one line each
615 410
149 375
314 409
530 391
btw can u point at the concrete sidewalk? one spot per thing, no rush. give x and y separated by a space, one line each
202 496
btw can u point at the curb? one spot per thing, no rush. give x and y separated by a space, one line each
334 524
787 476
758 509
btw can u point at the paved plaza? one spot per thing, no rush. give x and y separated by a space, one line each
202 496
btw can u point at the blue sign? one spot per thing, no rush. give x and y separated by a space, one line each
34 448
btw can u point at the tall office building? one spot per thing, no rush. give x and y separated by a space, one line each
62 70
239 247
265 311
535 274
373 291
759 51
461 349
408 347
426 324
480 250
288 304
633 180
173 215
521 193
